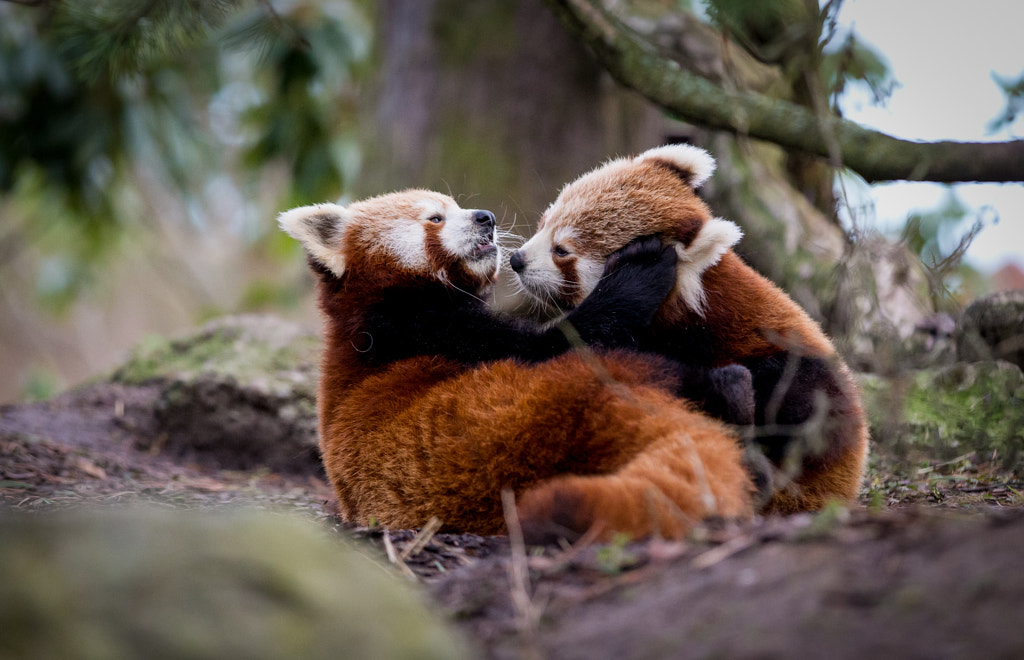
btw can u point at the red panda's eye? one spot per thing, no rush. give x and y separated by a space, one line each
560 251
435 219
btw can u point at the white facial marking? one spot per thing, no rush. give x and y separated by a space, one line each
463 237
407 242
589 271
705 250
459 235
561 235
540 276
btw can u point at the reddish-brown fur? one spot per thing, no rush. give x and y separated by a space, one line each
752 318
744 316
427 437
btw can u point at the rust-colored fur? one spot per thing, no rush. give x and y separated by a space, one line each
722 311
428 437
752 318
581 441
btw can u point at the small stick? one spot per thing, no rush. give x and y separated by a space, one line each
528 613
422 539
724 551
393 557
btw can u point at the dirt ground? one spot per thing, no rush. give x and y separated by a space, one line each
928 565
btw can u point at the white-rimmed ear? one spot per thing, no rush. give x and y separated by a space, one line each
320 228
703 252
695 164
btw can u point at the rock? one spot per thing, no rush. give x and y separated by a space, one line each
944 412
933 342
881 300
240 391
158 584
992 328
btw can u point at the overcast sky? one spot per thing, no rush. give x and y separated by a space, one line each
943 54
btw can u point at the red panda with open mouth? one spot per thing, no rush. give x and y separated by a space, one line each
808 414
410 430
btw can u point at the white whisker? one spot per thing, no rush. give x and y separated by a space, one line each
447 282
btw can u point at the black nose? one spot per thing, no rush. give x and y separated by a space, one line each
484 218
517 262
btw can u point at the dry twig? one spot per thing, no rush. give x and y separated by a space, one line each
422 539
393 557
527 612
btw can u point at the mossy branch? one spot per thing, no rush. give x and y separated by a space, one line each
875 156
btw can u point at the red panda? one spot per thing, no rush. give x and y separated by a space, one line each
808 414
581 439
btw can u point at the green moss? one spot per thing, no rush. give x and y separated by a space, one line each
944 412
615 557
155 584
240 350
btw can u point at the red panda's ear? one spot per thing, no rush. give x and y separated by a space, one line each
320 228
694 164
715 237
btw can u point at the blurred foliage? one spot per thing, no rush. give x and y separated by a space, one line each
770 31
307 116
95 94
52 127
40 385
857 63
1014 91
927 233
939 238
110 38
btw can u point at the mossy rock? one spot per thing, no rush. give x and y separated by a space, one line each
941 413
993 328
158 584
239 391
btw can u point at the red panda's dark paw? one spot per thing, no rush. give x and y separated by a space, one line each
635 283
550 512
643 250
725 393
731 396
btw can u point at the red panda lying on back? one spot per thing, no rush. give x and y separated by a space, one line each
407 435
807 407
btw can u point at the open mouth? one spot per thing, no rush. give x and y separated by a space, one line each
483 250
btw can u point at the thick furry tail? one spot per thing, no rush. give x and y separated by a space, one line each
666 490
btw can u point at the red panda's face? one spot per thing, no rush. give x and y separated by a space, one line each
614 204
406 235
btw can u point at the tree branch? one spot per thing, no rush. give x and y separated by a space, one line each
874 155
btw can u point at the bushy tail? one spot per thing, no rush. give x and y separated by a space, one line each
665 491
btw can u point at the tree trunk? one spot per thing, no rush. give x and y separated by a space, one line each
495 102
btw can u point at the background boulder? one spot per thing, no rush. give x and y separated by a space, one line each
993 328
240 390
